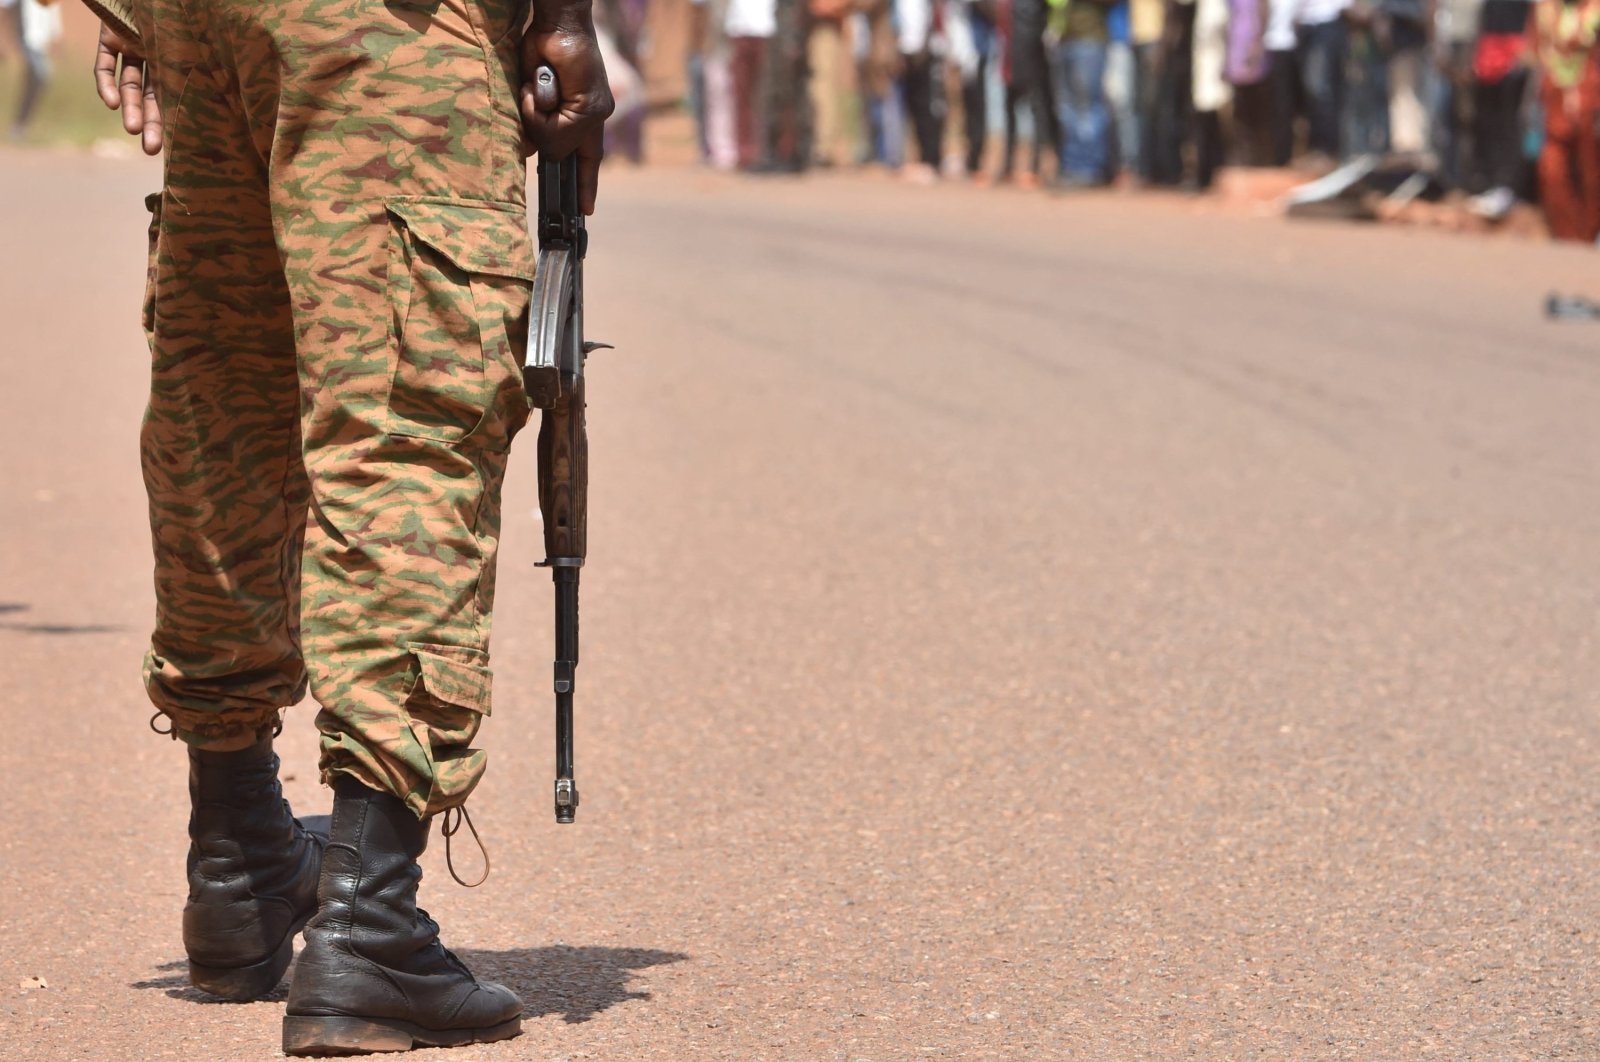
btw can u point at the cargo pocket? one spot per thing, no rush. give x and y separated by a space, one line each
460 278
152 203
450 695
449 698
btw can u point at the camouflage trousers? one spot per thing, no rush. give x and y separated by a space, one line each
338 296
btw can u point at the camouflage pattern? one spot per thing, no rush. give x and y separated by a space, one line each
338 295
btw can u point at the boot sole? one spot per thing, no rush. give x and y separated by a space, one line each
246 984
365 1036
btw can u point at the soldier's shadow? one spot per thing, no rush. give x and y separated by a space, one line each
574 983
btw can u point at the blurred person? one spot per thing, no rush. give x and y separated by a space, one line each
709 39
1564 46
972 43
1083 38
921 86
878 65
37 24
832 80
1172 116
785 93
1322 47
1500 79
1212 92
1366 93
1026 72
620 25
694 75
1404 31
1248 70
1146 25
1453 42
1283 78
750 25
1122 90
333 325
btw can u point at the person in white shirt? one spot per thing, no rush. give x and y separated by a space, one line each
924 94
1283 75
750 25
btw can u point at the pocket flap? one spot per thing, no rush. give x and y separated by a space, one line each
476 235
463 683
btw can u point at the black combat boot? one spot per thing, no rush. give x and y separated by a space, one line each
373 975
252 873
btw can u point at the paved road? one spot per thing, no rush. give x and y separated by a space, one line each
1094 629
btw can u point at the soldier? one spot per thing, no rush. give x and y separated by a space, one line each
340 273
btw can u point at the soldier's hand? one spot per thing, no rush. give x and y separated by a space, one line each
577 123
131 89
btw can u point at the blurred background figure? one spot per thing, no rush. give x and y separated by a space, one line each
1403 30
1366 94
620 23
38 26
1172 116
1212 93
1248 70
1455 36
1083 37
1028 94
750 26
1283 78
1322 47
877 52
785 106
1500 80
1146 26
922 87
829 56
711 84
694 73
972 40
1122 91
1564 33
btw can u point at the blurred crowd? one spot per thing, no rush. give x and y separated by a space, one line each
1496 99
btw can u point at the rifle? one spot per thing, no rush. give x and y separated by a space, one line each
553 373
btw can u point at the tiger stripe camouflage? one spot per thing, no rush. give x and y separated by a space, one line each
338 293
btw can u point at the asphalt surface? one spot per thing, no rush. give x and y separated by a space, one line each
1015 628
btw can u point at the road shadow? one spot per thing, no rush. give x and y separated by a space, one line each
573 983
8 608
63 628
174 982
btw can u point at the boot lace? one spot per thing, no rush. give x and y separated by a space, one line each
450 827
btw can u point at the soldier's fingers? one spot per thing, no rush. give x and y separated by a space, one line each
131 85
534 121
552 135
590 152
105 73
154 131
